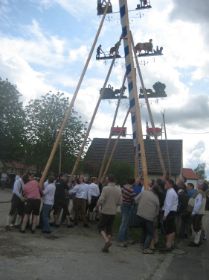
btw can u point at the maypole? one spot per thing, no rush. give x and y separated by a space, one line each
133 95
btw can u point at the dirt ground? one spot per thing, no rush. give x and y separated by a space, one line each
72 253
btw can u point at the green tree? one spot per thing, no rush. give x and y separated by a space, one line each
43 119
11 122
122 171
200 170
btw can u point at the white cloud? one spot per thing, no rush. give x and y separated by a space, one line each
29 82
80 53
77 9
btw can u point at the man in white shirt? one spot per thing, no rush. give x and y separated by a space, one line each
48 202
169 216
197 213
93 195
82 196
17 203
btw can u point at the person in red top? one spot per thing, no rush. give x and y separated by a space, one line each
32 194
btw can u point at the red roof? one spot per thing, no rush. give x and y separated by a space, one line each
188 173
18 165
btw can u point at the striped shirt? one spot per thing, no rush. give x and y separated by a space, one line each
128 194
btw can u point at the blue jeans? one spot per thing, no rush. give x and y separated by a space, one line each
45 217
148 230
126 211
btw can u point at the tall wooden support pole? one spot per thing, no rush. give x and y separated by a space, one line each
133 95
60 156
167 150
149 111
110 135
69 110
94 114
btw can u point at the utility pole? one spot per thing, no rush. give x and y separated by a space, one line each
140 157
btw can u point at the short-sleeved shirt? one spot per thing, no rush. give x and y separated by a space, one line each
48 193
31 190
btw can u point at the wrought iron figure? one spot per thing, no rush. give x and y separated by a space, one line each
99 51
159 91
144 4
101 5
158 50
114 50
147 47
110 93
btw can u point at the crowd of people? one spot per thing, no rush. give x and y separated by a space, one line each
164 209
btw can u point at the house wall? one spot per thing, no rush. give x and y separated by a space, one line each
194 182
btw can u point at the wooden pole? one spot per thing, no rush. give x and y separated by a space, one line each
60 156
95 111
149 111
113 149
133 94
110 135
167 150
69 110
141 148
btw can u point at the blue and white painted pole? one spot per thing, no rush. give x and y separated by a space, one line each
140 160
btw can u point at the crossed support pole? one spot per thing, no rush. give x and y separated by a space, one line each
94 113
69 110
101 171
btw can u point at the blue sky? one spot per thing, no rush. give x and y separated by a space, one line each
44 45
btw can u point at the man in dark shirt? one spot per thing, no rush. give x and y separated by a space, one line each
60 201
